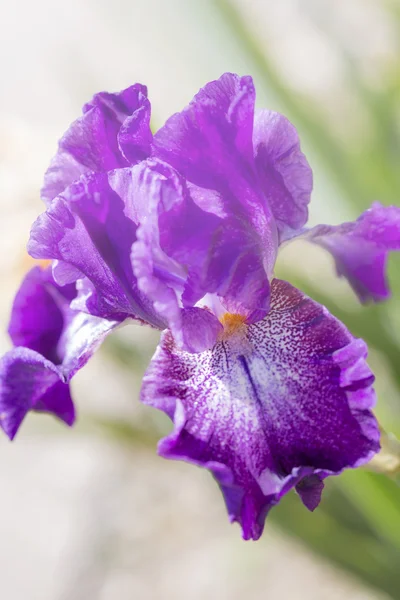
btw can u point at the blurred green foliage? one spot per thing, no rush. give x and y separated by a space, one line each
357 525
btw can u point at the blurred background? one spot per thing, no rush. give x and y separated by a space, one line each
93 513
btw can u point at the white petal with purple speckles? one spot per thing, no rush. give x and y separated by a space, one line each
273 404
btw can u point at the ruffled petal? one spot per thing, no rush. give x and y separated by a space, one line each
280 403
113 132
285 175
185 250
360 249
159 276
135 136
210 143
90 228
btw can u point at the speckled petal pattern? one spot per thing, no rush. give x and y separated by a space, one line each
283 402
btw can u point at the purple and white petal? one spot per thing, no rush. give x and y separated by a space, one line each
285 175
80 339
360 249
276 404
113 132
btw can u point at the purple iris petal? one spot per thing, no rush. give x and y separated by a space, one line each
81 337
90 228
210 143
159 276
284 172
30 381
280 403
112 132
361 248
135 137
53 343
189 246
200 329
38 313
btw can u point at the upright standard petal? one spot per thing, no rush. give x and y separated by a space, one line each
91 228
53 343
114 131
360 249
210 143
285 175
280 403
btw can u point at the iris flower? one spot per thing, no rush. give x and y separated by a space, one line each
180 230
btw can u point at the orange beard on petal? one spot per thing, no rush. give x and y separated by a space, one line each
233 324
